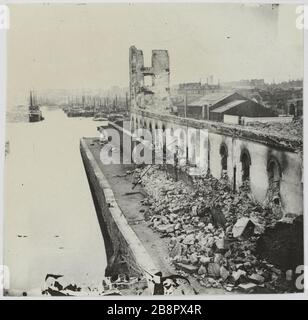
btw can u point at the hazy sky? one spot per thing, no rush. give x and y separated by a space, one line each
86 46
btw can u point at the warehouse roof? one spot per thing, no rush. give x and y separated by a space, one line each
212 98
228 106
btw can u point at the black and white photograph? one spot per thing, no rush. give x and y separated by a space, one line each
152 149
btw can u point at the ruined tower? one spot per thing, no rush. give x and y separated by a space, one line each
155 97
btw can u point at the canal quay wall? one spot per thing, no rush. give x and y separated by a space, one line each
125 253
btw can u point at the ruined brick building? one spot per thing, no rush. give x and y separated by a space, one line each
267 160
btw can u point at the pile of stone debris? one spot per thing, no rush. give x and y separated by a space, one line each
290 134
291 130
213 231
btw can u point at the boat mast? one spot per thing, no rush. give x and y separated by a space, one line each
31 99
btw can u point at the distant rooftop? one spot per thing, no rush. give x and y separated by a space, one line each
228 106
211 98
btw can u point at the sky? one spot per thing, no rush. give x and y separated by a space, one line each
70 46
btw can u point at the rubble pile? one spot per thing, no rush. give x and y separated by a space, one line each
292 130
286 135
213 232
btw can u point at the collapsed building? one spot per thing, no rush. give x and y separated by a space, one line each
271 162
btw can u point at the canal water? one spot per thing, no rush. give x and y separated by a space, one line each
50 220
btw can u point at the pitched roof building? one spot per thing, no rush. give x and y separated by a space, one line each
214 106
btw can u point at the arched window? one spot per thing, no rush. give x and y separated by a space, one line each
151 131
246 162
164 143
274 178
224 156
273 170
142 126
155 135
193 149
292 109
183 145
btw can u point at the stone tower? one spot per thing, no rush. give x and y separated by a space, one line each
155 97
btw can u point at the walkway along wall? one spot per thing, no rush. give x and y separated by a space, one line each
244 154
125 253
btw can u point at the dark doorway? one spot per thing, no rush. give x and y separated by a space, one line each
274 175
234 179
224 157
164 144
246 162
292 109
